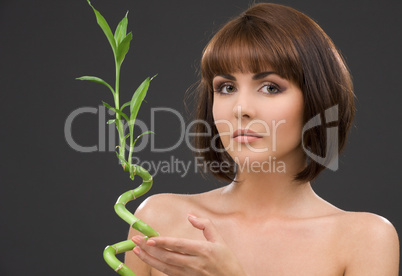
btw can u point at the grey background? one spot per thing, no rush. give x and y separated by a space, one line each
56 204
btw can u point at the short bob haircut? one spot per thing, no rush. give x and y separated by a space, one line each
298 50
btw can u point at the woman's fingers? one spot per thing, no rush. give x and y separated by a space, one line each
186 246
166 268
159 256
207 227
183 246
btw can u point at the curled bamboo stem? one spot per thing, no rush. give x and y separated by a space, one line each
110 252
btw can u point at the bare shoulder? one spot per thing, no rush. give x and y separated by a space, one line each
159 202
168 203
368 226
160 209
168 212
370 243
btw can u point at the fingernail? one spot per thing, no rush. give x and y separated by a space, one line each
136 240
137 250
191 215
151 242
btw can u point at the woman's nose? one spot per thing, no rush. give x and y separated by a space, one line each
244 108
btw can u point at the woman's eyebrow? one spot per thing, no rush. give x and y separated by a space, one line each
229 77
262 75
257 76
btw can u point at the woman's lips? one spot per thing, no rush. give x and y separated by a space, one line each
246 136
246 139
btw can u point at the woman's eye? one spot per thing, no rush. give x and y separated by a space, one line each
226 89
270 89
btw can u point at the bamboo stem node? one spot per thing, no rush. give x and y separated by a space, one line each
119 267
136 220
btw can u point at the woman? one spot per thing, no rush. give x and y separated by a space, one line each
266 78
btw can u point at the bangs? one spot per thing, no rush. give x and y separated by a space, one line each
249 45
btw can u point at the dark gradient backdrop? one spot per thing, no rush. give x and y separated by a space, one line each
56 204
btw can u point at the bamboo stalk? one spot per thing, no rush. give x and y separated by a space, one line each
120 43
110 252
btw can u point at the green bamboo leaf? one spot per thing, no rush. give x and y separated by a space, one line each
138 97
115 110
108 106
97 80
125 105
121 30
153 77
122 48
146 132
111 121
105 27
135 104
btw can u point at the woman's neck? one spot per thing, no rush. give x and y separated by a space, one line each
272 193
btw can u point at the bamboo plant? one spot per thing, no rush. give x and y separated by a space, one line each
120 43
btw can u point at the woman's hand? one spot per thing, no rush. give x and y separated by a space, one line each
176 257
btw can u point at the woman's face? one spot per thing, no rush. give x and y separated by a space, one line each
258 116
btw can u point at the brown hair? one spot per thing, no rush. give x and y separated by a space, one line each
298 50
